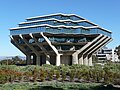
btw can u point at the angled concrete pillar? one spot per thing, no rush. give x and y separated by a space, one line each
15 42
85 61
82 50
108 39
75 59
58 60
47 59
80 61
49 43
103 43
53 48
42 48
28 59
90 61
31 47
87 45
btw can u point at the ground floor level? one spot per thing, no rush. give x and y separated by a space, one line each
57 60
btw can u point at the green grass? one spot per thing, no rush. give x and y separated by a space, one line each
53 85
48 86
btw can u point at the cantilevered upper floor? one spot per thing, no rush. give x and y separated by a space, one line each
58 24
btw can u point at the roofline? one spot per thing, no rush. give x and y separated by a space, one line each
53 15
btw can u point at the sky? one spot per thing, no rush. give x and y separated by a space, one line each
105 13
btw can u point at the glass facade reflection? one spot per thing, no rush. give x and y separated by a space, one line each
57 26
56 23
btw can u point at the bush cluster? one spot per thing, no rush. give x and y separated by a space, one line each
108 74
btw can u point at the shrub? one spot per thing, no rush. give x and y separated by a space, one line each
43 74
50 74
72 74
63 75
2 77
57 72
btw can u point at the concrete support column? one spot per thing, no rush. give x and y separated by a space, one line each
75 59
34 59
38 60
28 59
108 39
81 60
85 61
47 59
58 60
85 47
90 61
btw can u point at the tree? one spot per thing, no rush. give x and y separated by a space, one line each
117 50
13 61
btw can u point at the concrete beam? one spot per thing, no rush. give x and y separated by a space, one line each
108 39
85 61
42 48
90 61
85 54
80 61
87 45
80 51
94 45
47 59
15 42
54 49
27 43
31 47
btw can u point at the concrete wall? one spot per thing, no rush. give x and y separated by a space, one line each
66 59
53 60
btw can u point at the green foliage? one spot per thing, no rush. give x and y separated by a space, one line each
63 76
43 74
108 74
72 74
13 61
57 73
50 75
118 51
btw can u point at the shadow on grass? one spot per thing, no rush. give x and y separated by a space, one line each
101 87
46 88
108 87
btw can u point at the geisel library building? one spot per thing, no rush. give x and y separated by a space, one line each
59 39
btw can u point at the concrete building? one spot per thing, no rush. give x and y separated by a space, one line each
105 54
59 39
115 56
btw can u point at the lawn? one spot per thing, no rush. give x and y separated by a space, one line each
53 85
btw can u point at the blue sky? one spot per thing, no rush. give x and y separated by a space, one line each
105 13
